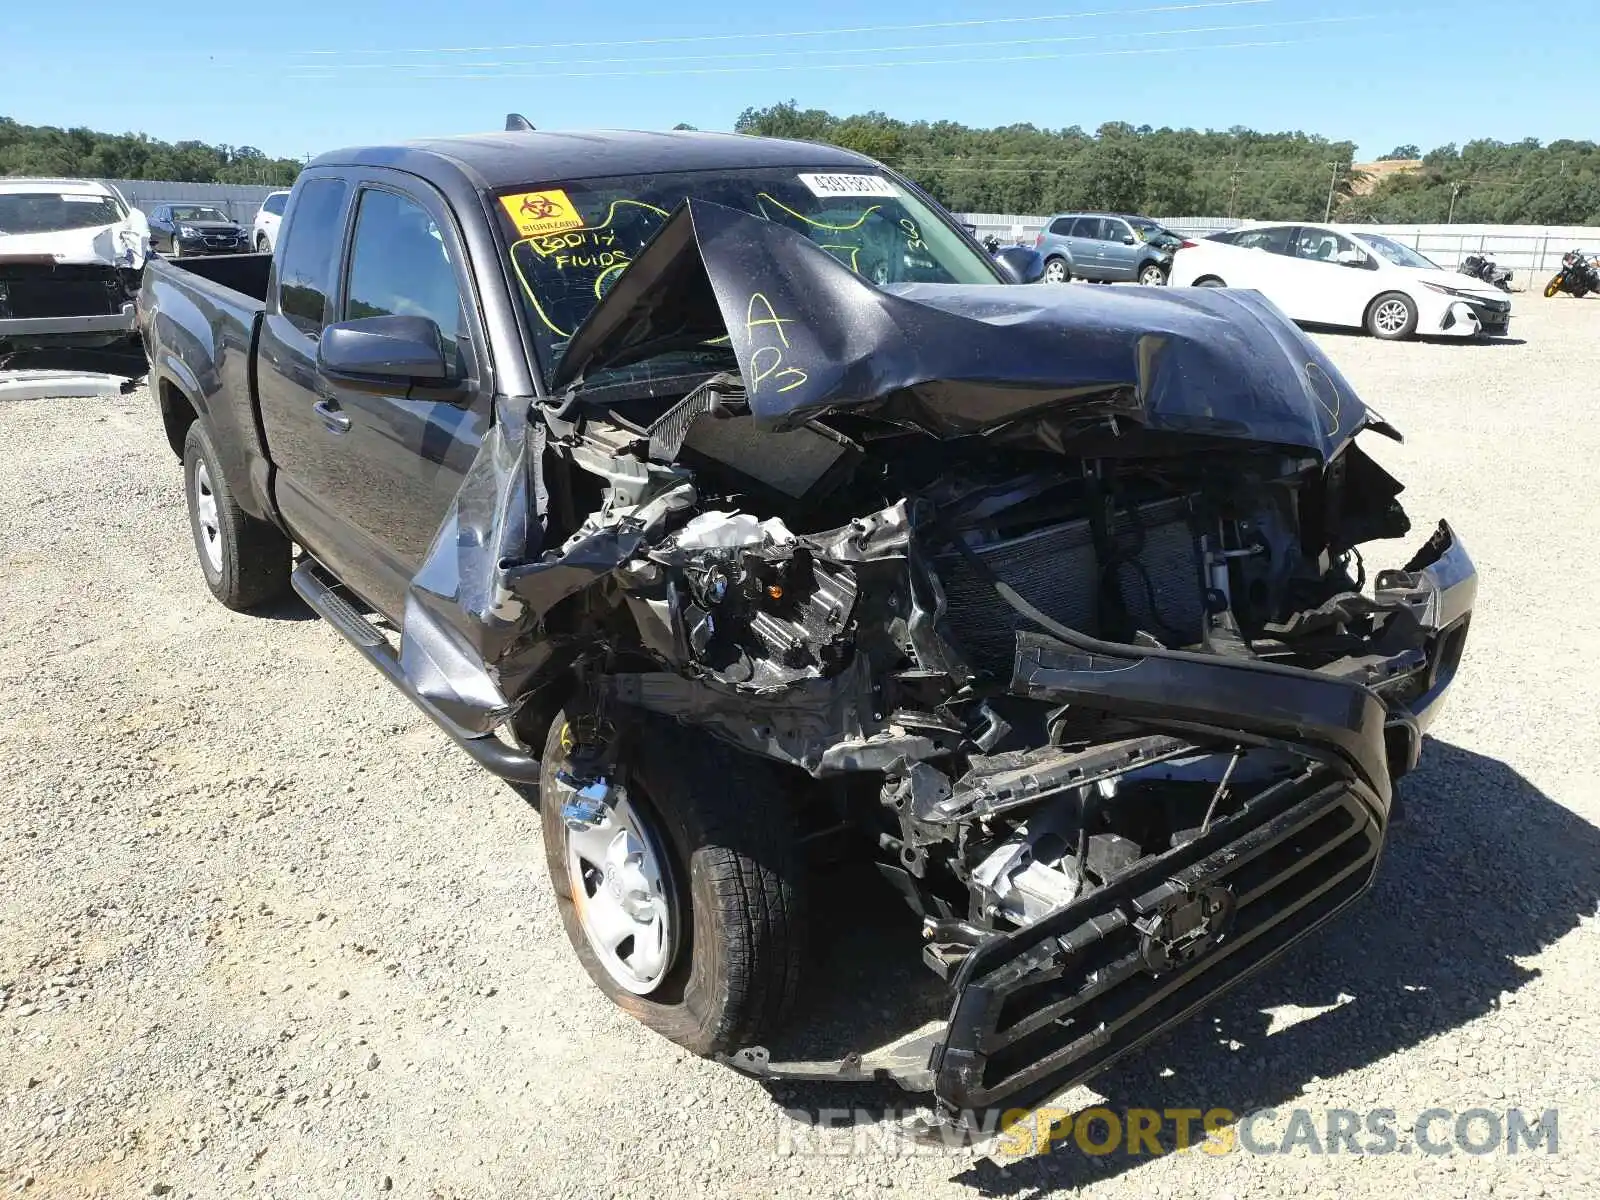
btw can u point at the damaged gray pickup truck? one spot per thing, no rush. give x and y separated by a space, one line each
727 490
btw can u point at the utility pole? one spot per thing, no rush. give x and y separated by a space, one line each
1455 190
1327 214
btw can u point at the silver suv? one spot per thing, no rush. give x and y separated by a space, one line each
1106 248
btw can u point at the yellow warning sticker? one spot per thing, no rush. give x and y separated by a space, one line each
536 213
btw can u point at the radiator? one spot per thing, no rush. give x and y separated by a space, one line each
1056 571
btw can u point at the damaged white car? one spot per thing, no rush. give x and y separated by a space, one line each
70 255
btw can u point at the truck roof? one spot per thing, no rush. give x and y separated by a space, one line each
503 159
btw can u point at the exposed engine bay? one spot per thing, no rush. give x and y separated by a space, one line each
904 621
1057 602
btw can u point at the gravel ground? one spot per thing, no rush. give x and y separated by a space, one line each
263 932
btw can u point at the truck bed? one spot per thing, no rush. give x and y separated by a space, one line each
199 318
244 275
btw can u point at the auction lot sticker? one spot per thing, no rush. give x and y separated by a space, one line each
849 185
536 213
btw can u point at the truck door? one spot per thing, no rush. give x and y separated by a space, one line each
378 463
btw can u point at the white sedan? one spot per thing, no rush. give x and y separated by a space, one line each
1339 275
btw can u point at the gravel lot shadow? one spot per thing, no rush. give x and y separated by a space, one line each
1484 869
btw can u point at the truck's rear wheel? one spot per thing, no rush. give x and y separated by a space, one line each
681 890
245 561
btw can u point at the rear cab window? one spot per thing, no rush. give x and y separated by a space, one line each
570 240
310 249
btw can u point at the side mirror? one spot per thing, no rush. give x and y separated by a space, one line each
1020 264
385 348
1128 239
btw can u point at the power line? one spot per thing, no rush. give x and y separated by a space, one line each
881 65
969 46
804 33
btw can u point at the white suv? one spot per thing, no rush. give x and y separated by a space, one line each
264 230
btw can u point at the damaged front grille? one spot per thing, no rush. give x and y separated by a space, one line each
29 291
1058 570
1058 1000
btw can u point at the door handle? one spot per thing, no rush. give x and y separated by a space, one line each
335 420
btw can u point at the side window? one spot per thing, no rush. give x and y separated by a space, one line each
1324 246
400 267
311 247
1274 239
1061 226
1086 227
274 205
1115 230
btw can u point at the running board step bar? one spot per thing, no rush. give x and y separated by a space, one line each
329 603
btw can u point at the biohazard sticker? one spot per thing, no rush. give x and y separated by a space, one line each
536 213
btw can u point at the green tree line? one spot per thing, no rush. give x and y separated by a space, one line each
1508 183
1024 169
84 153
1188 172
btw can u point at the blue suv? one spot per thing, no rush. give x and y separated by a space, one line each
1106 248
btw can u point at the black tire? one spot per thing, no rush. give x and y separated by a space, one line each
1383 320
1152 274
1209 281
734 869
247 562
172 248
1058 265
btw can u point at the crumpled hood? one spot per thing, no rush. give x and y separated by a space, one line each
812 337
123 244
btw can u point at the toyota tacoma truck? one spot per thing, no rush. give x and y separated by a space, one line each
726 490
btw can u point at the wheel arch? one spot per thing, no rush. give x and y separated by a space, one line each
178 412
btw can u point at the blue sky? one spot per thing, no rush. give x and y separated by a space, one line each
296 76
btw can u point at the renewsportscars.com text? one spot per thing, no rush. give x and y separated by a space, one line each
1151 1132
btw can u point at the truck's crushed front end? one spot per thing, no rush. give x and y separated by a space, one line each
1057 593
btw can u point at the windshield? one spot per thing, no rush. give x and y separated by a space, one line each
1148 231
1400 256
570 241
55 212
197 212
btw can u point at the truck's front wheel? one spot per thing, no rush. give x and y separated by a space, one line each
679 884
245 561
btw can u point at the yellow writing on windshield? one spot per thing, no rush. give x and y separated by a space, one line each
581 248
763 199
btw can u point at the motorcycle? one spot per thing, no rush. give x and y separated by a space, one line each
1579 275
1479 267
